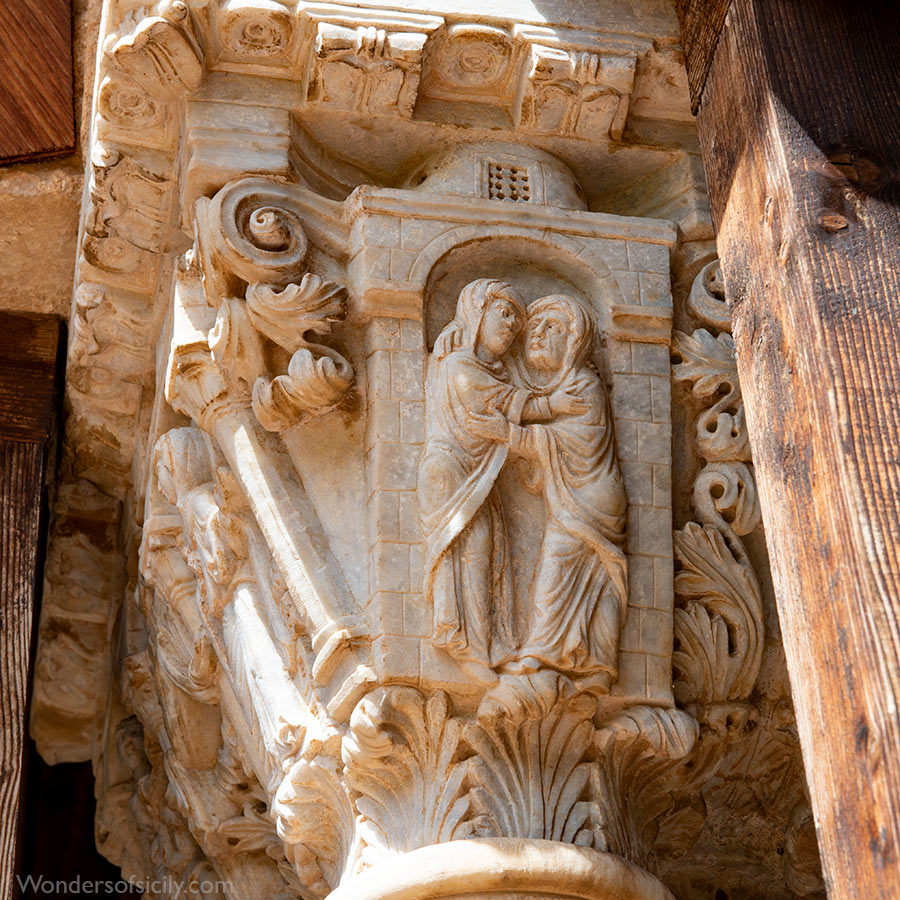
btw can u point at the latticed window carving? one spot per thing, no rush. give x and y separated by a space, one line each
508 182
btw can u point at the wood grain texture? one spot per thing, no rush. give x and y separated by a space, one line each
29 374
21 476
801 143
37 112
701 24
29 350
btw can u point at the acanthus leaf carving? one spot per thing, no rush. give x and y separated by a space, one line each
318 377
274 492
718 622
401 757
251 231
530 776
708 362
638 753
316 822
719 617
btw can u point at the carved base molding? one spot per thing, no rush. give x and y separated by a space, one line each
504 869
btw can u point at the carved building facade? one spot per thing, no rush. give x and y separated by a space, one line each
408 543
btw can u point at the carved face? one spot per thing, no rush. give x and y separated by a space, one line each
500 325
547 339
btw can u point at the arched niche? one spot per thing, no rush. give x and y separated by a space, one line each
413 254
536 268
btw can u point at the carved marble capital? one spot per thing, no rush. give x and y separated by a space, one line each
371 376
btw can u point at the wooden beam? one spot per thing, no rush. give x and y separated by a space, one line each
701 24
29 354
37 110
800 134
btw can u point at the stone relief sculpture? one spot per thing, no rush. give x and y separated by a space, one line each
345 665
546 403
578 600
468 576
468 569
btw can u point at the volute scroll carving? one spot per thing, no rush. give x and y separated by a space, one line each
231 337
720 626
251 229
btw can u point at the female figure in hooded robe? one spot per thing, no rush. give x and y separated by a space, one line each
468 574
579 593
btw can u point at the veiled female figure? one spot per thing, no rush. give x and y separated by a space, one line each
468 573
579 593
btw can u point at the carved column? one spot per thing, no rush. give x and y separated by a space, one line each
397 470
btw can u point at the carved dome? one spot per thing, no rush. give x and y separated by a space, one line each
500 171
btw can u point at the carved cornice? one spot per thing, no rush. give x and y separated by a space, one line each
150 66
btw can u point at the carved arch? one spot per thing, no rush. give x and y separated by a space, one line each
569 261
592 274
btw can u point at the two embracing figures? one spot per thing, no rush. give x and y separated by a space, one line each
490 396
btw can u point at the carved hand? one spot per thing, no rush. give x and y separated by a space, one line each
562 402
492 427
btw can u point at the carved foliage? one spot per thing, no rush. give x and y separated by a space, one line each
129 212
637 753
252 231
317 377
719 622
577 92
530 775
401 756
366 69
316 823
708 363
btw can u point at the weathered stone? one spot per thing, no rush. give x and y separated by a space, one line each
371 372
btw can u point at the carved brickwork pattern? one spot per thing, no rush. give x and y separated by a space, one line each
395 432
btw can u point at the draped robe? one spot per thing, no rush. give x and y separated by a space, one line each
579 594
468 570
